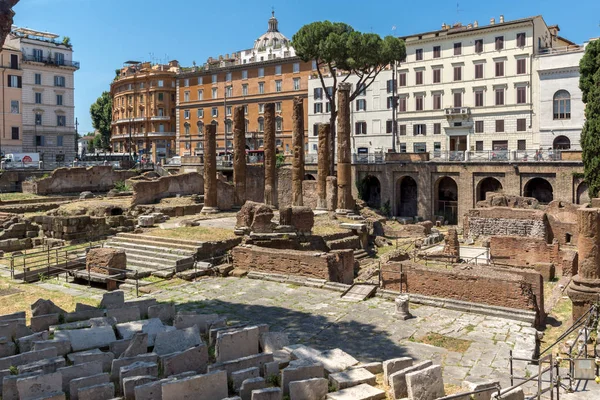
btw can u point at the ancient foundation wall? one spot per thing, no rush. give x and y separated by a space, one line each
336 266
479 285
504 221
148 192
562 218
82 227
78 179
284 189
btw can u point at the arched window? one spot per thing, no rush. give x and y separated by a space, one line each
187 129
562 105
200 127
278 124
228 126
561 143
261 124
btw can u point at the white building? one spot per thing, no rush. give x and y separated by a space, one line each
466 92
48 94
272 44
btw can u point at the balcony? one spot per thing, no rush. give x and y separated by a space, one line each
160 118
457 112
148 135
50 61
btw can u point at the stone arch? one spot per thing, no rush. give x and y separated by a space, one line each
486 185
561 143
540 189
309 177
407 197
370 191
446 199
583 195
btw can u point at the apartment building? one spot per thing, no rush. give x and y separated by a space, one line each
48 105
268 72
144 102
12 106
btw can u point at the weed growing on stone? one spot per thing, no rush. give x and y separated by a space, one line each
446 342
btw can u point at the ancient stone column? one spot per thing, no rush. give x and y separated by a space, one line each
210 169
345 203
298 148
6 17
452 245
323 165
270 152
239 155
584 289
402 307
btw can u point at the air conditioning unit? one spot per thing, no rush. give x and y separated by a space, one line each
464 110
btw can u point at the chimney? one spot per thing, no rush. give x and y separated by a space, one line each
502 19
492 21
475 24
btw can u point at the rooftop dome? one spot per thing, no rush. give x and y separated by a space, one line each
272 38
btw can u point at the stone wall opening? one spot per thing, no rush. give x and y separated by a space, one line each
561 143
407 195
487 185
583 195
309 177
540 189
371 191
446 199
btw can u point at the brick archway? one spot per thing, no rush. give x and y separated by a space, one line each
489 184
446 199
407 197
540 189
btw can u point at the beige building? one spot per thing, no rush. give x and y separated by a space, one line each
12 108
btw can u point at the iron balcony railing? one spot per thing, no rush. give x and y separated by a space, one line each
51 61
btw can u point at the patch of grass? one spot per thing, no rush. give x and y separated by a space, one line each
13 370
450 389
445 342
274 380
18 196
470 328
199 233
293 286
561 314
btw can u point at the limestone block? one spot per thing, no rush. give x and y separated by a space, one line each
515 394
267 394
131 382
187 320
45 307
351 377
85 315
375 367
88 338
309 389
142 304
119 363
193 359
43 322
493 386
14 329
17 315
212 385
119 346
237 377
86 195
104 391
79 371
150 326
105 261
38 386
402 307
124 314
178 340
397 380
262 221
299 370
426 384
9 384
7 347
257 360
95 355
139 368
45 366
360 392
145 221
334 360
85 382
236 344
249 385
63 346
164 312
137 345
27 358
271 368
25 343
395 365
272 341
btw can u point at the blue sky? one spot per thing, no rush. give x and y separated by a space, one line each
108 32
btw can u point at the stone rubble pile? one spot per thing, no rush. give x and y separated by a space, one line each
142 349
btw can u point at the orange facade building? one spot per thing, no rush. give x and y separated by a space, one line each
144 103
269 72
11 100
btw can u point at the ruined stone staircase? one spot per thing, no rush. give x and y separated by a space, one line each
153 255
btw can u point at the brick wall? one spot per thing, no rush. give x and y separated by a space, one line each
504 221
336 266
562 217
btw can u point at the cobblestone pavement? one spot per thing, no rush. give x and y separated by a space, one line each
368 329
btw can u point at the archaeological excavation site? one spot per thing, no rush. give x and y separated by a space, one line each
300 279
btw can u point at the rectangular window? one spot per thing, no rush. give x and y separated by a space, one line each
186 96
479 46
499 125
315 129
228 111
420 147
214 112
59 81
457 49
59 141
38 54
521 39
479 98
14 81
328 107
521 124
296 67
402 147
437 75
479 145
161 112
437 51
261 87
521 95
59 99
214 93
478 71
457 99
457 73
229 91
278 106
521 66
245 90
437 128
437 101
278 86
360 128
261 108
389 126
478 126
499 68
59 58
419 102
246 111
389 86
61 120
200 80
419 129
521 145
261 72
161 83
278 70
161 96
38 79
419 77
499 97
214 78
39 140
402 130
362 90
318 108
200 94
402 79
186 114
14 106
186 82
15 133
402 104
228 77
296 83
499 42
419 54
200 113
318 93
245 74
38 98
361 105
38 119
390 102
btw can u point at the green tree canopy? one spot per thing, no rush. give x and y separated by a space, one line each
589 83
336 48
101 113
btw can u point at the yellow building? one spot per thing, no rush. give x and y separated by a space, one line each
11 140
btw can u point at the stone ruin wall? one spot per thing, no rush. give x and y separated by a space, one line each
502 221
518 290
79 179
562 217
336 266
82 227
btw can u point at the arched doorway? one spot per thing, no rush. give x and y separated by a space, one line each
561 143
407 192
487 185
309 177
446 199
370 191
540 189
583 195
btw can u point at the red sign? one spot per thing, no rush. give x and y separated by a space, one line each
27 159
